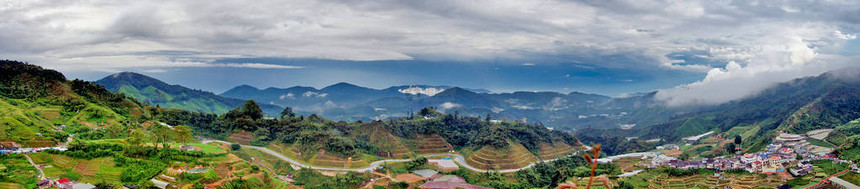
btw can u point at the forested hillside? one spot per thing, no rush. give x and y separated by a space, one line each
156 92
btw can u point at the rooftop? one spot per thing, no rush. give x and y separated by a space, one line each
425 172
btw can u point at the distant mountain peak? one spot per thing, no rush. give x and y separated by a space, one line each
341 85
130 75
246 87
455 91
113 82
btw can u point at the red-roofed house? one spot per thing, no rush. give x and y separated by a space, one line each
439 181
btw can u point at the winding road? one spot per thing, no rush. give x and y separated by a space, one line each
457 158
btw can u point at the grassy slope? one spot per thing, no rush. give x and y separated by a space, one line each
694 126
180 101
20 120
17 172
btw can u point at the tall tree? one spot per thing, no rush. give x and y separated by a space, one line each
252 109
287 113
183 134
162 134
730 147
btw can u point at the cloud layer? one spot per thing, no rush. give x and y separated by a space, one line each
768 41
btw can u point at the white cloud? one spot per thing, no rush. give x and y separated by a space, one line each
313 94
523 107
782 57
429 91
449 105
287 96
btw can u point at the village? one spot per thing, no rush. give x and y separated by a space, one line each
787 157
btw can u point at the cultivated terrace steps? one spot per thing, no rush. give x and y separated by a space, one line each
490 158
330 160
432 144
390 144
556 150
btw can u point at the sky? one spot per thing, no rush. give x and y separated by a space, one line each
691 52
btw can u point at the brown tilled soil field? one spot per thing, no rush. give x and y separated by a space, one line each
241 137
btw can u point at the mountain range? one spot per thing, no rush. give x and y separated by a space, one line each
156 92
344 101
623 124
575 110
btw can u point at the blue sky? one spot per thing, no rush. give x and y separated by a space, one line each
690 51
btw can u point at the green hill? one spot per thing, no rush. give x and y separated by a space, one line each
117 139
156 92
36 103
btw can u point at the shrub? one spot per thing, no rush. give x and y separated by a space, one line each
235 147
191 176
416 163
210 176
398 185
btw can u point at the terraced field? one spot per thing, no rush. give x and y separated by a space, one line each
327 160
708 181
241 137
557 149
391 145
513 157
11 185
92 171
432 144
102 169
286 150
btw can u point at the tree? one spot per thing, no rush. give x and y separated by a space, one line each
416 163
398 185
183 134
684 156
730 147
348 180
251 109
261 137
136 137
235 146
738 139
424 111
287 113
163 135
